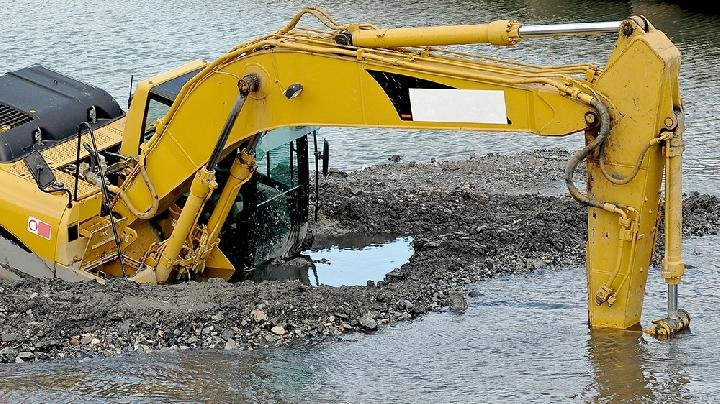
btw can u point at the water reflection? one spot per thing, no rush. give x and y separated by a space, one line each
617 358
625 368
346 260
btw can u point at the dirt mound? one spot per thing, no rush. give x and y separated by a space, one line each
471 220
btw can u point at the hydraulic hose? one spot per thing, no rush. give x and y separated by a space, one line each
152 210
616 178
580 155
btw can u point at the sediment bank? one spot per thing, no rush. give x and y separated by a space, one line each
470 220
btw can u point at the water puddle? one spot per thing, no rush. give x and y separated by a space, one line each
346 264
348 260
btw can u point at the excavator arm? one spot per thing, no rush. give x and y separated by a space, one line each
630 112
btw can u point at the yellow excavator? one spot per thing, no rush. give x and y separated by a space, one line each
92 192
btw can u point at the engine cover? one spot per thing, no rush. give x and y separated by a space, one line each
36 99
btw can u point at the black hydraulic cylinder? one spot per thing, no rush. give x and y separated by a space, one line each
247 85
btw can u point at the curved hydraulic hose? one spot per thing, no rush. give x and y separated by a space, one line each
616 178
322 16
152 210
580 155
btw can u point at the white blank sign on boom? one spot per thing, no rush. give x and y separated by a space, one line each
453 105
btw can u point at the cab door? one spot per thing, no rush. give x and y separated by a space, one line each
281 201
270 220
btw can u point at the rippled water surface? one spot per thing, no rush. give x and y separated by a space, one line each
104 42
522 337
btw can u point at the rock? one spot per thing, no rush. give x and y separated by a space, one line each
7 354
395 158
230 345
86 339
9 337
367 322
278 330
228 334
74 341
395 275
419 309
218 317
457 302
26 356
258 316
124 327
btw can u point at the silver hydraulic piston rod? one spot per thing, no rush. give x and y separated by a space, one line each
672 301
529 31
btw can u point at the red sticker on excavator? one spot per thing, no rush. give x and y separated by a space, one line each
37 226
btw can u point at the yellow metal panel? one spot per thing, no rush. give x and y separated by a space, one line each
338 91
636 83
22 200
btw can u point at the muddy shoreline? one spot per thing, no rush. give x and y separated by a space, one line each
470 220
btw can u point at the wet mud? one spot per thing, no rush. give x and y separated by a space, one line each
470 220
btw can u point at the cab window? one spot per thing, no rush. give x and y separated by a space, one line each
156 109
281 199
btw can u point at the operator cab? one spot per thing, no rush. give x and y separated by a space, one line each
159 101
270 215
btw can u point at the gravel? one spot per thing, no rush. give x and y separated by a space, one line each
470 220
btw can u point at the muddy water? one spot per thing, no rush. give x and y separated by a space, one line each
522 337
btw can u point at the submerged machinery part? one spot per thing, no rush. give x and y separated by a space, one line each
668 326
